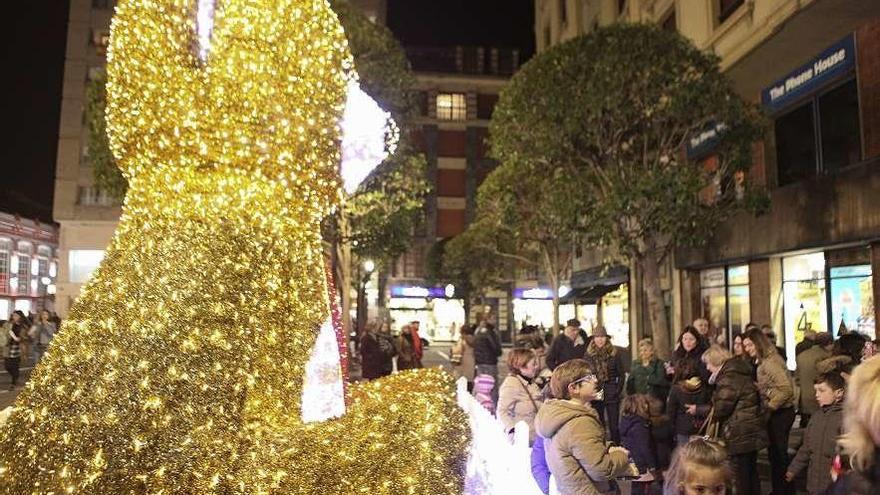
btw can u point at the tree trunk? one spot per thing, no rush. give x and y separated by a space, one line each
656 307
551 266
343 272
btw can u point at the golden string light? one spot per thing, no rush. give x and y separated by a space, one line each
180 368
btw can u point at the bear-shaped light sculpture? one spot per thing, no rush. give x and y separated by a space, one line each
182 367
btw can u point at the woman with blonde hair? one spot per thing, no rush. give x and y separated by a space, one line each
519 399
777 389
861 442
648 376
736 409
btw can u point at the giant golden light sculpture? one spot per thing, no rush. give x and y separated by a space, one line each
181 368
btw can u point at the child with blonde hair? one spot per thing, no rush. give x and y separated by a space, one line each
699 467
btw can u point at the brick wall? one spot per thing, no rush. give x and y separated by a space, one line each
868 42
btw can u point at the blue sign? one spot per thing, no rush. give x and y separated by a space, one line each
831 63
703 143
418 292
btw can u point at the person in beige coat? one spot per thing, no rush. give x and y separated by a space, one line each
519 398
576 449
777 392
463 363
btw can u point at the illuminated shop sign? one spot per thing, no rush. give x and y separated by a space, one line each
828 65
536 293
418 292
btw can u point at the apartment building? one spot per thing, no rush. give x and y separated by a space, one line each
812 262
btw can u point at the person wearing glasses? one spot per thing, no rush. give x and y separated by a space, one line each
576 448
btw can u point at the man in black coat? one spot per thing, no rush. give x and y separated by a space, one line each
487 349
570 344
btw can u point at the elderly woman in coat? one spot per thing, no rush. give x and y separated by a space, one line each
519 399
736 409
777 389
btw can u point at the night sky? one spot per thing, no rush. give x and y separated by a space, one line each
34 62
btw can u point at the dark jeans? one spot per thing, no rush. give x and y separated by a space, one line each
12 365
745 470
778 430
609 414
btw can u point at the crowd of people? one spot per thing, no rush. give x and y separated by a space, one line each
693 424
24 339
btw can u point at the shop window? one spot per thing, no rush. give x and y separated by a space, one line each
23 272
796 145
804 299
726 8
852 300
83 263
839 127
23 305
5 309
486 105
821 136
615 315
421 98
724 297
451 106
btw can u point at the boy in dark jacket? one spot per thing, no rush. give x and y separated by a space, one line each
820 439
568 345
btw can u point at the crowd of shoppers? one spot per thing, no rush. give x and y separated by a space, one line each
24 339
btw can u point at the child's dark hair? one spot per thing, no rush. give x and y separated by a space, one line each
636 405
685 369
833 379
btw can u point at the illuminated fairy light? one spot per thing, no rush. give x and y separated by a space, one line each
369 135
323 395
205 26
494 466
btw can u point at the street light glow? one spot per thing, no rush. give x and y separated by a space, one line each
369 266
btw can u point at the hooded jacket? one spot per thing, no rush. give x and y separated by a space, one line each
635 436
738 409
819 448
518 400
684 393
487 345
576 450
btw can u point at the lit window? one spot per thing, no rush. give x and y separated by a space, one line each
83 263
451 106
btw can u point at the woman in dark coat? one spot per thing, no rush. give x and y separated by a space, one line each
736 408
690 348
688 389
604 359
377 350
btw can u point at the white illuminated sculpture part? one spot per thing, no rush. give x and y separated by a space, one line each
369 136
323 395
494 466
4 415
205 26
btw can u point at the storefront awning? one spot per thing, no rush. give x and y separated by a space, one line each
588 286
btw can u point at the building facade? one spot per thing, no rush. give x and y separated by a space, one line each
458 88
813 261
86 215
28 265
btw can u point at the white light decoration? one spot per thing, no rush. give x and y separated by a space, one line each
34 284
13 263
53 269
205 26
449 291
369 135
495 467
51 289
369 266
13 283
564 290
323 395
46 280
35 267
